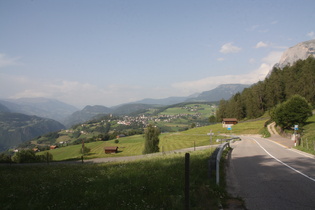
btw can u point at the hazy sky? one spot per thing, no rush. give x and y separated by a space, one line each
111 52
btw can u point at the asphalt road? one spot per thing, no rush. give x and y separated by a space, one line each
270 176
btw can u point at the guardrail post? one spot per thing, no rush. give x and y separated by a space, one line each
221 148
187 183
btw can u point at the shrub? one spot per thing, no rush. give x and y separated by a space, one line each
84 150
25 156
47 156
4 158
29 156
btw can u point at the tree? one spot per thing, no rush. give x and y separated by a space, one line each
152 140
5 158
25 156
212 119
193 125
84 150
295 111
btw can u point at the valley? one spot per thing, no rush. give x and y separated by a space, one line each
171 119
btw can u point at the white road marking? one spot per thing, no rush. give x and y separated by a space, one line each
297 171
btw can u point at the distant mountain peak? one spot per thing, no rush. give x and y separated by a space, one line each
223 91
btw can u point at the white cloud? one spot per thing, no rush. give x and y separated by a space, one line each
311 34
273 57
261 44
7 61
220 59
76 93
229 48
249 78
82 94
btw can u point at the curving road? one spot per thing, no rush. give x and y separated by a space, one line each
268 175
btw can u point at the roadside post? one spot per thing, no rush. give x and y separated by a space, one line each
296 127
229 128
210 134
187 182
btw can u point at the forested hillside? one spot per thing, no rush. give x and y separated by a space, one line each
16 128
279 86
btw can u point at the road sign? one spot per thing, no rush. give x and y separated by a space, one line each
296 127
229 127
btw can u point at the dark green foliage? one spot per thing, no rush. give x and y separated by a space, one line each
84 150
278 87
49 138
152 140
46 157
193 125
29 156
17 128
5 158
295 111
212 119
25 156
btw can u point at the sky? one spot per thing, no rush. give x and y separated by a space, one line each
110 52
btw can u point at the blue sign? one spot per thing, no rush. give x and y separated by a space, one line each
229 128
296 127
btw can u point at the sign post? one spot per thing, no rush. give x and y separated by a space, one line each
229 128
210 134
296 127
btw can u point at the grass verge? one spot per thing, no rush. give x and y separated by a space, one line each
156 183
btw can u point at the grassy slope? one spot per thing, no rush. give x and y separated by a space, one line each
156 183
308 137
133 145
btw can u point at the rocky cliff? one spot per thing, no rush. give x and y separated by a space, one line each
300 51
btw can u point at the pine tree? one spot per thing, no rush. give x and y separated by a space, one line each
152 140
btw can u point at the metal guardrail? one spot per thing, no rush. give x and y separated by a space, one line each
219 155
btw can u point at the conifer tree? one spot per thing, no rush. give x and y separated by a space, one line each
152 140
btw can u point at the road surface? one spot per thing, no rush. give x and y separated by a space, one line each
268 175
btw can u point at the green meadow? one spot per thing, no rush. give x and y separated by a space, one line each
133 145
154 183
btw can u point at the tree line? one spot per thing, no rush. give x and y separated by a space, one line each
279 86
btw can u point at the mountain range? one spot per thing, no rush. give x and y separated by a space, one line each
224 91
42 107
70 115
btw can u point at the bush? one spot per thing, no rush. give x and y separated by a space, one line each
4 158
47 156
295 111
29 156
25 156
85 150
